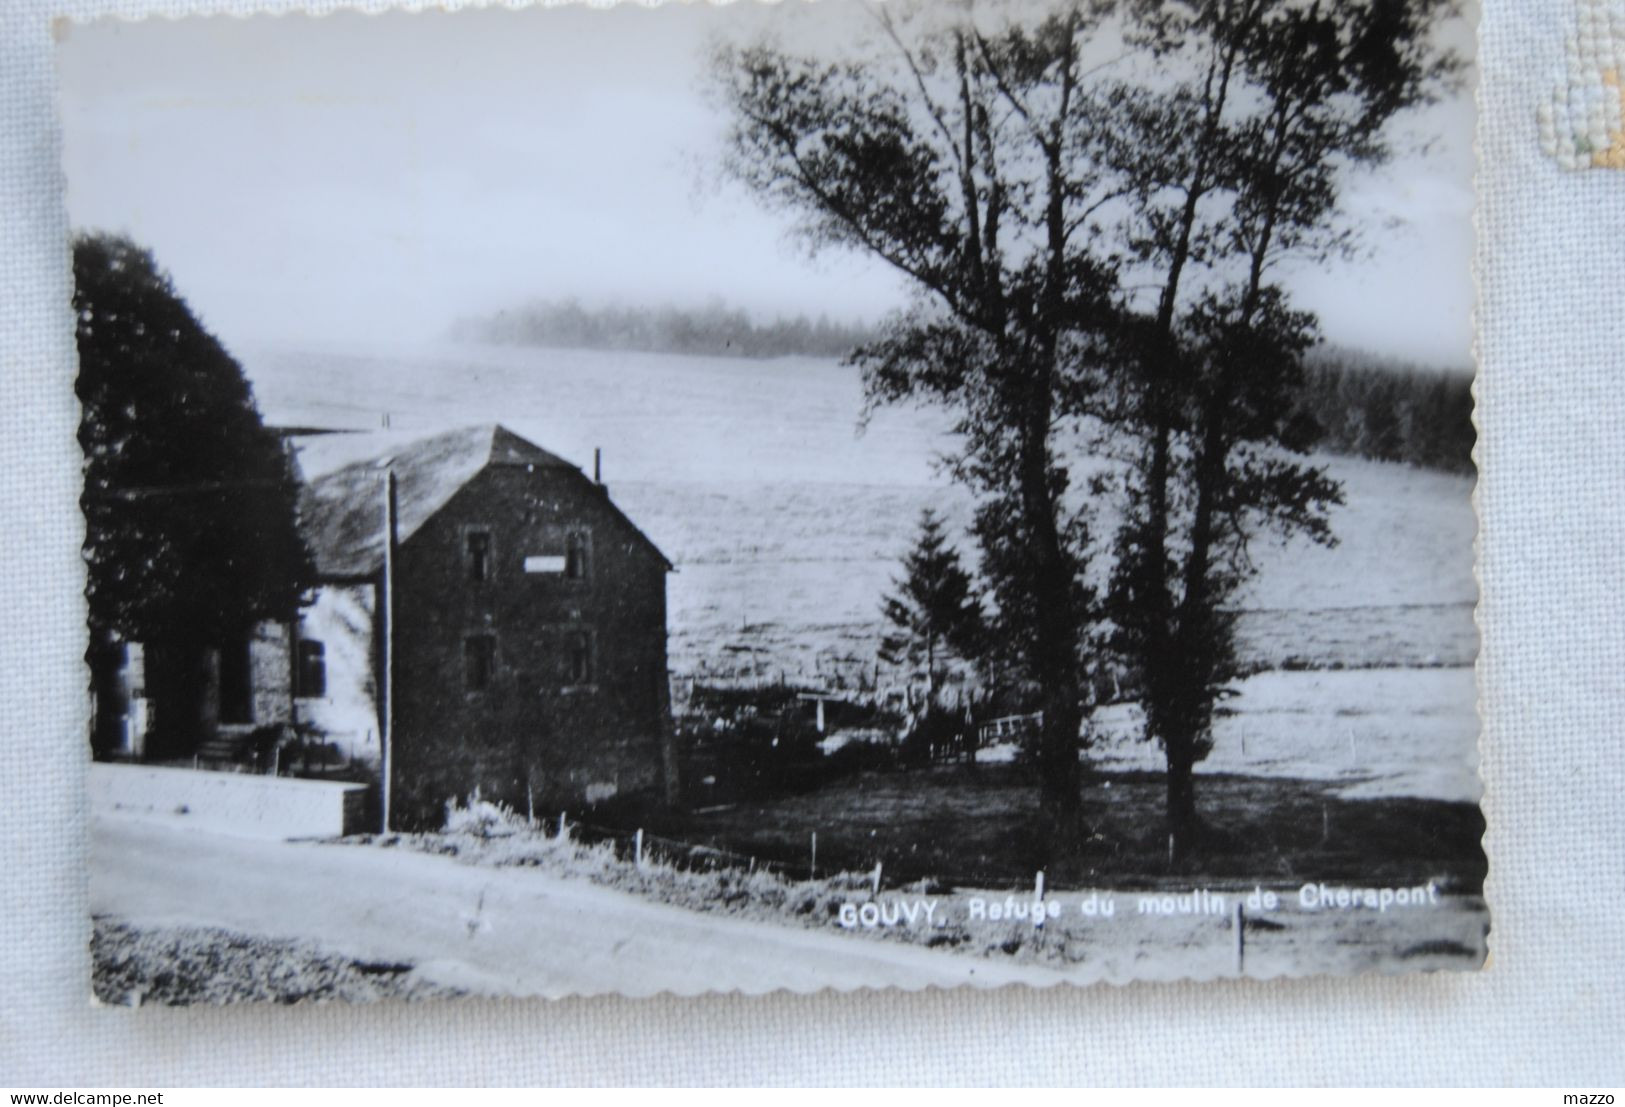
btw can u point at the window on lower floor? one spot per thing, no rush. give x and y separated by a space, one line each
578 659
310 672
479 661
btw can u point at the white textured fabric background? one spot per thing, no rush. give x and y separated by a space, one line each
1549 1010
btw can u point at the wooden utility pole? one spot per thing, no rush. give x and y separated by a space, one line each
386 609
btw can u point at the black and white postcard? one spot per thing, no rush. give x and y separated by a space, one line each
709 498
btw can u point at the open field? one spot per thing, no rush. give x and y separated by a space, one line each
960 827
1367 732
789 578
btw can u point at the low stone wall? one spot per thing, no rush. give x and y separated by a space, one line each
229 803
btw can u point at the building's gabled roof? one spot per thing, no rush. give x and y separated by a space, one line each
342 514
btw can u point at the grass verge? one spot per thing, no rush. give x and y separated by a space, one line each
177 966
977 827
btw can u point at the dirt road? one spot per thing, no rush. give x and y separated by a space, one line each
491 931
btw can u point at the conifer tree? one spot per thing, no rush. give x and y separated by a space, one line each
935 608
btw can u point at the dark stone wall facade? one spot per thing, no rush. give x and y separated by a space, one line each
529 650
271 674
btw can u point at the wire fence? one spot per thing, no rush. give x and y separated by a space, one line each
1222 914
822 858
639 845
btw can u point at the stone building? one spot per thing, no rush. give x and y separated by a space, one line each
486 620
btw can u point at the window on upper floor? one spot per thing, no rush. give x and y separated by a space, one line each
477 555
577 556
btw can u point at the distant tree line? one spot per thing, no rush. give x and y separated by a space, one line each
716 330
1388 410
1365 406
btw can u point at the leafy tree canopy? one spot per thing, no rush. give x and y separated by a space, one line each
189 500
957 152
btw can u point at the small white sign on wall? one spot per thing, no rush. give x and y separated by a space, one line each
544 564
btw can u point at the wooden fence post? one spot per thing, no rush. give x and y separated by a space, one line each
812 868
877 878
637 850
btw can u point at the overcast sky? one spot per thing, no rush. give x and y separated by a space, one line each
369 179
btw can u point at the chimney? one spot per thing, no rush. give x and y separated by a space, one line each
597 465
